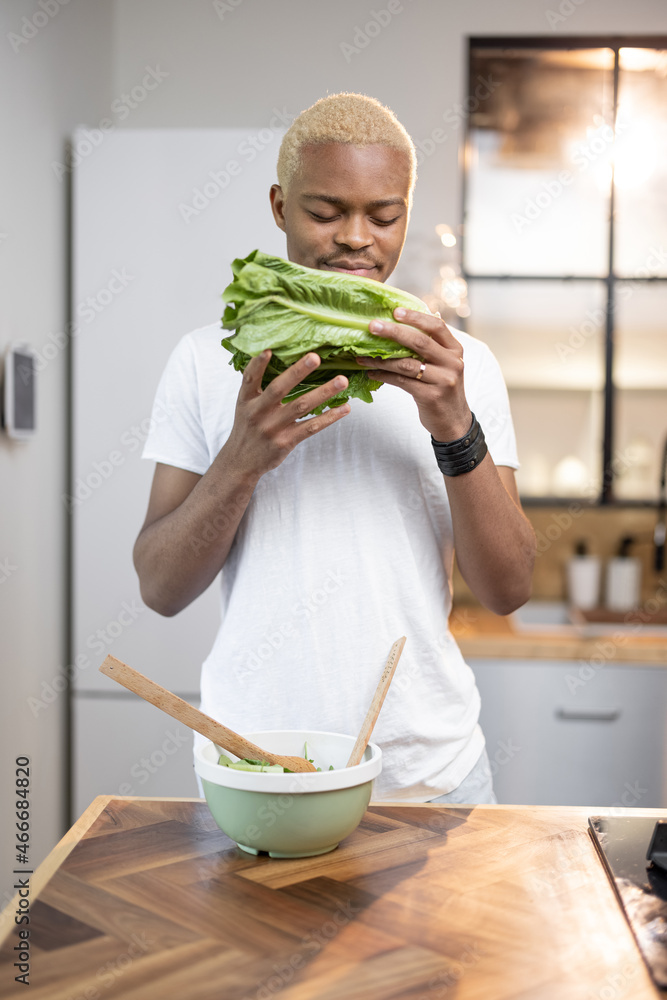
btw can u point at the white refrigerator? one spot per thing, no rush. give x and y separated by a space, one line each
158 215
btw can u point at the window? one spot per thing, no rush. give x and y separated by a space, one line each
565 254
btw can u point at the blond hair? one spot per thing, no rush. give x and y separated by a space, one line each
348 118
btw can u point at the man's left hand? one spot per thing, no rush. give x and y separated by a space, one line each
436 382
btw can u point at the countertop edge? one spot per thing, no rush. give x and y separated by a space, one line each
551 647
53 860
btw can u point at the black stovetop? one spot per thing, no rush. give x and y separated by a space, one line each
641 886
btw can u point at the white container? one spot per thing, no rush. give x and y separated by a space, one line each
623 583
583 581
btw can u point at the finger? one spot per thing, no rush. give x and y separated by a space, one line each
430 323
252 376
306 428
410 367
438 366
416 376
282 384
420 332
316 397
417 341
416 387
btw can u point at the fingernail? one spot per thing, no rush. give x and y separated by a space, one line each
340 382
399 313
310 361
375 326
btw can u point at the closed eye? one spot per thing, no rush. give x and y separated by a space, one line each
377 222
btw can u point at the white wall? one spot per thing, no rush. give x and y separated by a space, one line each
58 77
231 62
228 63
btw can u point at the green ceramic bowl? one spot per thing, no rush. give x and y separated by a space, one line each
290 815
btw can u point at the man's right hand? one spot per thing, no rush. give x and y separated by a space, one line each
192 520
265 429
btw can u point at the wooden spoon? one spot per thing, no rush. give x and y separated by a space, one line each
179 709
376 704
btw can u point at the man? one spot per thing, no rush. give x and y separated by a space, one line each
336 533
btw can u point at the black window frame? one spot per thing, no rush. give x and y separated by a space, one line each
610 280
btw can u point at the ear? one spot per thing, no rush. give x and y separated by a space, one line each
278 205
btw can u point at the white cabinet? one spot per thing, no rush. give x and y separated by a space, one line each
571 733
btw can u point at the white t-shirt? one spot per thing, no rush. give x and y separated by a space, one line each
343 548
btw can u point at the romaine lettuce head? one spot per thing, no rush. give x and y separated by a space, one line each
292 310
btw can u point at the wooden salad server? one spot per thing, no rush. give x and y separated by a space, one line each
179 709
376 704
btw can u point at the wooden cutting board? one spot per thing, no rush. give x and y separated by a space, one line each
147 898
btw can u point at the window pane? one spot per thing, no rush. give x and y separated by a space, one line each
640 168
549 340
640 377
538 173
545 334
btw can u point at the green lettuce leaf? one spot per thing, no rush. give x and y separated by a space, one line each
273 303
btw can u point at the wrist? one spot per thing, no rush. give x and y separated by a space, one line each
463 454
453 426
237 466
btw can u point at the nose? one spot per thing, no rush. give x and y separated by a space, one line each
354 232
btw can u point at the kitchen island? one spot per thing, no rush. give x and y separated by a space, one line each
147 898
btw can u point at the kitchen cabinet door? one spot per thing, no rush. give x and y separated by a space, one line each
565 733
124 746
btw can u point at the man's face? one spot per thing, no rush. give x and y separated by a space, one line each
347 210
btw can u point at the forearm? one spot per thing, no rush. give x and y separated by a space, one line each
493 539
180 554
192 521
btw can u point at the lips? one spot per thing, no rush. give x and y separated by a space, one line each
362 268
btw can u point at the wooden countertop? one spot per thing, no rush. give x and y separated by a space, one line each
480 633
147 898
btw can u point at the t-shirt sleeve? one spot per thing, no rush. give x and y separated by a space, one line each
488 399
176 434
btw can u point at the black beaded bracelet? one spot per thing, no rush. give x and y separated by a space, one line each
454 458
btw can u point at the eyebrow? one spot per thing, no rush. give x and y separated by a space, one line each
378 203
